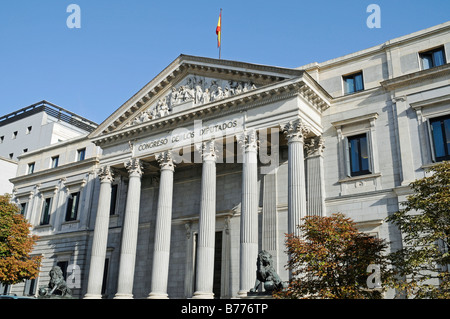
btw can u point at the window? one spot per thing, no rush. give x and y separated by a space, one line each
432 58
112 207
440 133
29 128
63 265
23 208
105 276
31 168
45 220
14 136
30 287
353 83
358 155
11 155
25 150
2 138
81 153
55 161
4 289
72 206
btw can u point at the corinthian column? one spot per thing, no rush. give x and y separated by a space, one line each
99 244
314 177
295 132
207 224
161 252
130 231
249 213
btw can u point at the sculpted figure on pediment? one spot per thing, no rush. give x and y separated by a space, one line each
200 90
161 109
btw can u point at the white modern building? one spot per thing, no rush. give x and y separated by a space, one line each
215 160
34 127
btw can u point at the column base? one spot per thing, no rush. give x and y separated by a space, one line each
203 295
123 296
156 295
242 293
92 296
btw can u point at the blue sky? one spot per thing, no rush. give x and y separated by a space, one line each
122 45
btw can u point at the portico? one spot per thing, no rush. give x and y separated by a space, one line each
201 115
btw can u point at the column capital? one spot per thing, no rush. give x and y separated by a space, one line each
207 150
165 160
106 174
249 141
314 146
134 167
295 131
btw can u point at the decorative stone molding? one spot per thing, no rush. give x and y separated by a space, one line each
249 141
134 167
295 131
106 174
315 146
165 160
207 150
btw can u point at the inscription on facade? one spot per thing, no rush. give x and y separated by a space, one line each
180 137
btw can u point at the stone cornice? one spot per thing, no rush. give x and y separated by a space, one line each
59 171
362 118
417 77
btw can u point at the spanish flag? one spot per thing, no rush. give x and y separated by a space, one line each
219 29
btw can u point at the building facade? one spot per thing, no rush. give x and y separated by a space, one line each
214 160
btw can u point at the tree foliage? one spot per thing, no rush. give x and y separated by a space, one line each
16 244
424 221
330 259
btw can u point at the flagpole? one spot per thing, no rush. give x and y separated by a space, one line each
220 46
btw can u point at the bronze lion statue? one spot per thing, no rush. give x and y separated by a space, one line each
266 274
56 284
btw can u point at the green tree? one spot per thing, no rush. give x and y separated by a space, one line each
330 259
16 244
421 266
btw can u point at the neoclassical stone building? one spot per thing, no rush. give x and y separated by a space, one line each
215 160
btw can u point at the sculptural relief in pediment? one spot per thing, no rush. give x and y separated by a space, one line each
192 91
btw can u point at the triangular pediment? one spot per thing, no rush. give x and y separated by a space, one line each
190 82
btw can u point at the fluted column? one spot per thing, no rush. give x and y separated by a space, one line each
249 213
161 252
130 231
315 203
295 132
207 224
99 244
